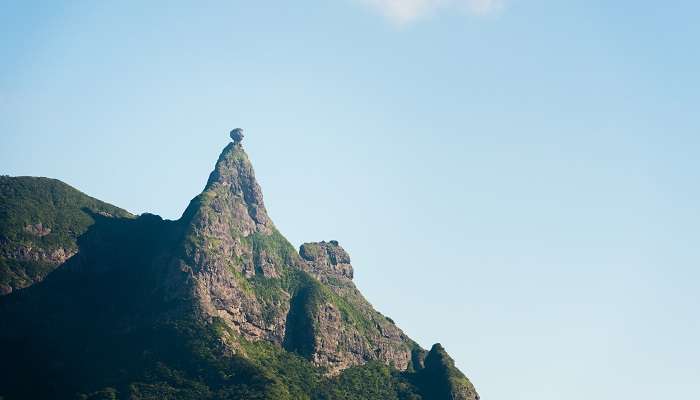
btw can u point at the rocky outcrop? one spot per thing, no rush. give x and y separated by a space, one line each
236 135
24 264
228 233
247 275
37 229
326 259
234 195
349 331
28 252
342 341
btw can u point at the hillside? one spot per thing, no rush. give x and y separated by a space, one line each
40 222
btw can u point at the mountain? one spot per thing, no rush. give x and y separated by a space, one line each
215 305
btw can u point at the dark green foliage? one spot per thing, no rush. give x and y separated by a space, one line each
104 394
297 377
105 325
18 274
44 215
373 381
274 246
301 319
439 379
417 359
57 206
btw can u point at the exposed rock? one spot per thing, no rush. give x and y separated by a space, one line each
227 229
237 135
340 343
233 192
362 334
26 264
266 265
238 258
28 252
37 229
327 258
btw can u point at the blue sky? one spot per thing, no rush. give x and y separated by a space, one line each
515 179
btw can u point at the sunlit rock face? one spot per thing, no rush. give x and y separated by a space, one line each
234 250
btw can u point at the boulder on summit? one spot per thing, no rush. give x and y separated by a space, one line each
237 135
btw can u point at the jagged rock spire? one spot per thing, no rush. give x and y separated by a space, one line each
232 195
227 230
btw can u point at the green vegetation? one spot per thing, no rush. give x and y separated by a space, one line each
307 293
440 379
277 374
62 209
311 251
301 319
18 274
274 246
40 222
351 311
372 381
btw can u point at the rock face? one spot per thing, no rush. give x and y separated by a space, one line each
350 332
230 240
235 253
37 229
219 300
236 135
327 260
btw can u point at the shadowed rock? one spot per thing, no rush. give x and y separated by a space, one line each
237 135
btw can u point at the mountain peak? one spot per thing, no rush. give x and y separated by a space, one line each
232 195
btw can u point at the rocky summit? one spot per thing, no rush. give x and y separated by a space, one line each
101 304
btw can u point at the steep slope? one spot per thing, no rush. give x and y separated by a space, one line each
215 305
348 329
40 221
250 278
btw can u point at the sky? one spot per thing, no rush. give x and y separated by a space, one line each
515 179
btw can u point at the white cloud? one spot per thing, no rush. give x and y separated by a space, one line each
406 11
483 7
